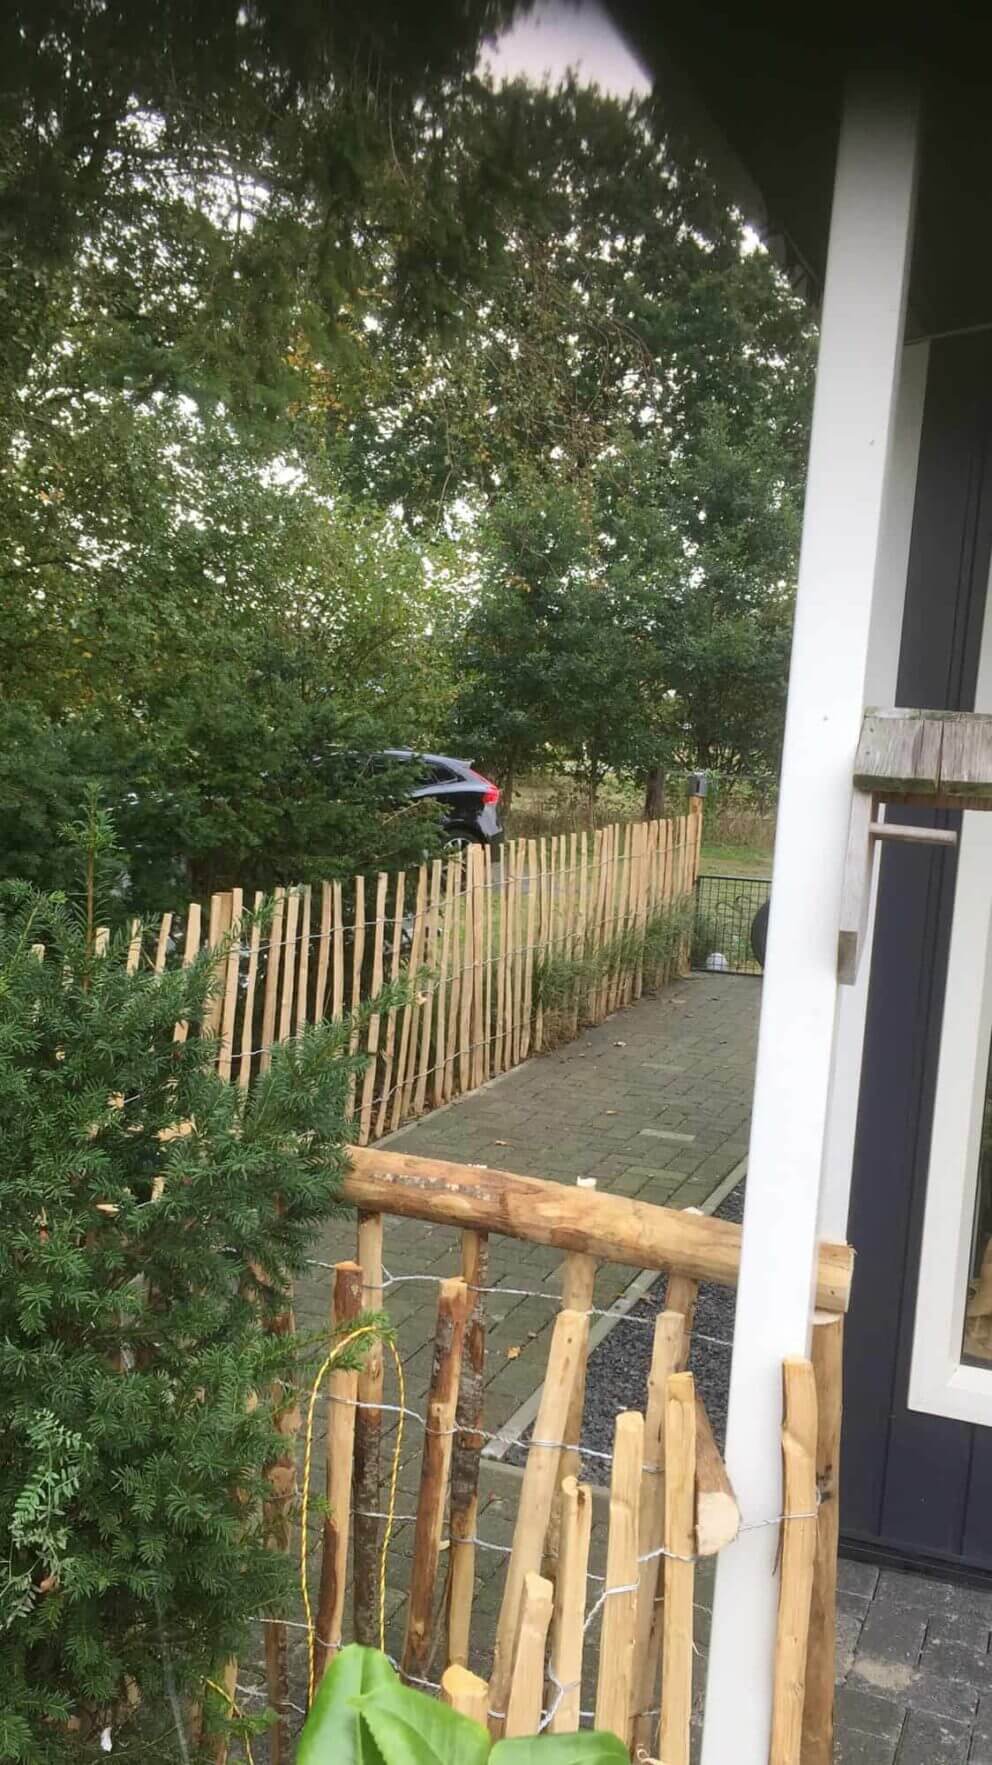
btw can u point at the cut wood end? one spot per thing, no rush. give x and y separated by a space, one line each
538 1593
465 1692
718 1520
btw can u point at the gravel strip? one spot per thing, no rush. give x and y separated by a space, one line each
618 1368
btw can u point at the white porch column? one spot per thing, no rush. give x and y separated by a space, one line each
860 346
880 689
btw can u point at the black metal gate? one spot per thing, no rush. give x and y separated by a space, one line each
725 911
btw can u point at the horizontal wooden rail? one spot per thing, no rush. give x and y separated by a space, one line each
610 1227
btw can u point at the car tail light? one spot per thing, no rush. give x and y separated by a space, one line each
491 793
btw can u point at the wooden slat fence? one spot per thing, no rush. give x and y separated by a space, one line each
671 1502
508 953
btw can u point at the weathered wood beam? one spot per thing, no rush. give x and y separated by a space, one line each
613 1228
940 757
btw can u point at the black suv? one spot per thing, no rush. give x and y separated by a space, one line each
470 802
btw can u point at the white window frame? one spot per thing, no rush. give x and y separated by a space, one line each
940 1383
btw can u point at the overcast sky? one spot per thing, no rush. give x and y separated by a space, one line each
556 37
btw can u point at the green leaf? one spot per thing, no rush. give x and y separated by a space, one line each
362 1715
561 1749
334 1733
411 1728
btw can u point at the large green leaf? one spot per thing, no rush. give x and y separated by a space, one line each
334 1733
362 1715
561 1749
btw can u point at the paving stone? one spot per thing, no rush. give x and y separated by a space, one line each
955 1700
982 1730
954 1660
863 1712
928 1740
899 1588
853 1747
891 1643
950 1625
860 1578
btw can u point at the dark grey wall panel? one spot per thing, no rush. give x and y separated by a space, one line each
912 1483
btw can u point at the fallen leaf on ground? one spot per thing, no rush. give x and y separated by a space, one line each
501 1142
619 1044
513 1354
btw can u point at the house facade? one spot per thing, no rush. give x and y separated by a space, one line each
862 150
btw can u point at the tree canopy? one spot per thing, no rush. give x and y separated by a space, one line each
347 401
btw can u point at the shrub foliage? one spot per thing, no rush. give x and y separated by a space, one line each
153 1219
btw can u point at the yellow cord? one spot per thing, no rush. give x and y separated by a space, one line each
228 1697
339 1347
391 1504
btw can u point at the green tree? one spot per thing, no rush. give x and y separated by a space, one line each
558 658
631 348
208 630
193 186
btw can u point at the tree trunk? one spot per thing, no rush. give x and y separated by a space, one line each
654 793
506 789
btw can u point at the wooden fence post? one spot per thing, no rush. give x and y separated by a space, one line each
368 1426
529 874
467 1451
465 1692
191 946
523 1705
427 1039
273 954
323 952
568 1348
357 960
289 956
342 1393
394 970
818 1707
406 1070
372 1038
681 1295
798 1555
680 1570
454 913
568 1630
248 1017
578 1282
615 1687
665 1358
229 1004
442 1396
162 942
718 1517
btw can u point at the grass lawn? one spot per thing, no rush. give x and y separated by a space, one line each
727 860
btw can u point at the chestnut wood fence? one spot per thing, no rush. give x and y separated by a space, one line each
507 954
